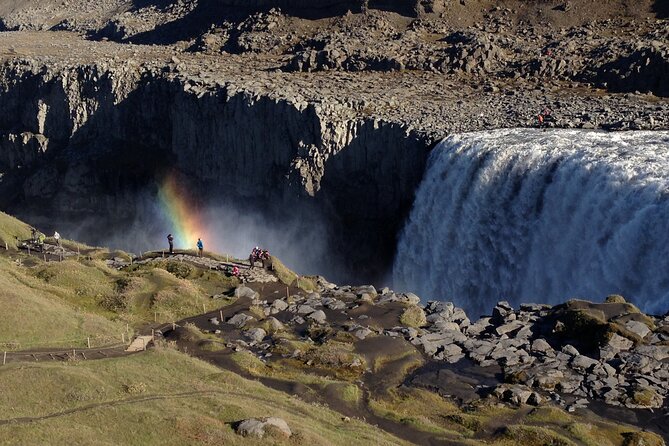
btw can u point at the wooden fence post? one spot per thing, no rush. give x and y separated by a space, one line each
88 341
4 359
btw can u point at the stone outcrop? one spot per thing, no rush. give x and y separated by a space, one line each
571 354
259 427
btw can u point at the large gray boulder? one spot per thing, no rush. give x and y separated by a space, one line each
254 427
305 309
582 362
318 316
618 343
638 328
279 305
245 292
255 334
541 346
239 320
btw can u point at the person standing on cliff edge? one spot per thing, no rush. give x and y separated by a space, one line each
200 247
170 240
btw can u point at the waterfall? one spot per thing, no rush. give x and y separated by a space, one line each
532 216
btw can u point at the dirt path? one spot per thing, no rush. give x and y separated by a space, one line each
136 400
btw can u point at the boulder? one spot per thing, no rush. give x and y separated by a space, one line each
388 297
509 328
413 316
362 333
479 326
638 328
274 324
279 305
318 316
245 292
258 427
366 289
618 343
409 298
548 379
305 309
450 353
255 334
569 350
239 320
501 311
366 297
515 394
657 352
583 363
443 325
334 304
541 346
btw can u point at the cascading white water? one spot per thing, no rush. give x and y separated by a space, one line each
530 216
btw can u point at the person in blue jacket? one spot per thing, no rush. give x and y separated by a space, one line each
200 247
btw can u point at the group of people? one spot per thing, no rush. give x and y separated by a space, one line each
38 238
259 255
545 117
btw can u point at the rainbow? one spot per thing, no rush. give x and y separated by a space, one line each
182 213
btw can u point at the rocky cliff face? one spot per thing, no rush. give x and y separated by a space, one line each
83 142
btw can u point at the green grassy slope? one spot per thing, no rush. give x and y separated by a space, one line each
156 398
10 228
34 315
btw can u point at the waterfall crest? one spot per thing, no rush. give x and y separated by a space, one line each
530 216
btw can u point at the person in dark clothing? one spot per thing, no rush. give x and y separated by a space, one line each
170 240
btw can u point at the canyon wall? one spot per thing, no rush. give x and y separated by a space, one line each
91 144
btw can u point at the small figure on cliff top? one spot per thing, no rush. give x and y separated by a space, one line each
170 240
200 247
544 117
56 237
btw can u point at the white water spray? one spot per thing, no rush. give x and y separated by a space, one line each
531 216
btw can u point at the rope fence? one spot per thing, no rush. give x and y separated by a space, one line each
88 342
97 345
